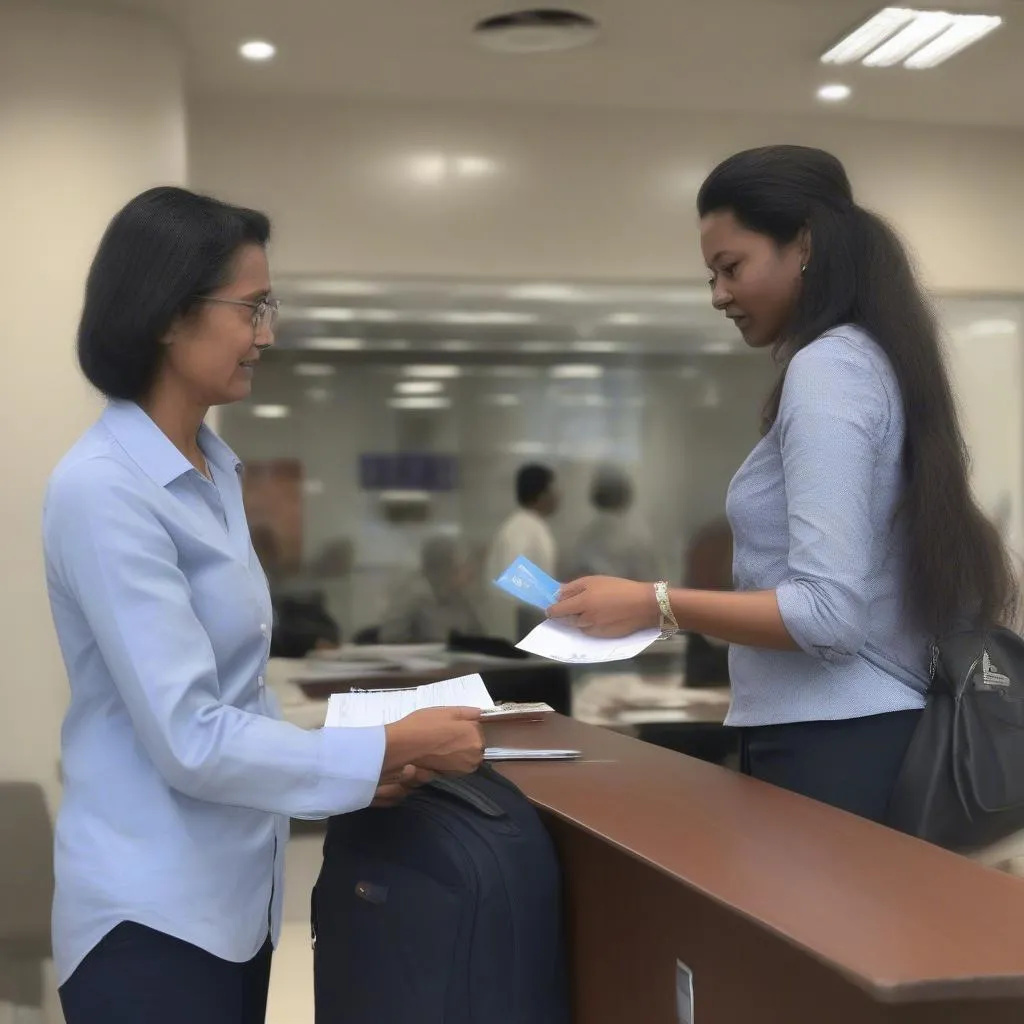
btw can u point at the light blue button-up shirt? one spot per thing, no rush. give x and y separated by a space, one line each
812 513
178 776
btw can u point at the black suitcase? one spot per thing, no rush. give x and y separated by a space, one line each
444 910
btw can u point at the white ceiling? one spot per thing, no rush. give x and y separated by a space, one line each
716 55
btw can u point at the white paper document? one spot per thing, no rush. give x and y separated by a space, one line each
363 708
559 642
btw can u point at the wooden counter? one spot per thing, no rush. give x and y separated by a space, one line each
786 910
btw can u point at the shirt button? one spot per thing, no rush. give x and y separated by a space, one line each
259 681
265 629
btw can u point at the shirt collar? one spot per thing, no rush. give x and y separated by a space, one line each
151 449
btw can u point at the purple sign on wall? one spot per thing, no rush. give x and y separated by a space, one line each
408 471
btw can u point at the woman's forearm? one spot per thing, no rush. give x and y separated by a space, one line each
749 618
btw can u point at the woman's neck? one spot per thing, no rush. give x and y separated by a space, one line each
180 420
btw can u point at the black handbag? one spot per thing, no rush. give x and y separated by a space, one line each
962 781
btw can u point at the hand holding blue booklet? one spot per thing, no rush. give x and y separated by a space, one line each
529 583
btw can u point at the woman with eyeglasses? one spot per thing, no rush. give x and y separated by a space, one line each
179 778
856 537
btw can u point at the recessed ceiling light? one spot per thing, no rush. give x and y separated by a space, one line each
834 93
916 39
543 30
257 49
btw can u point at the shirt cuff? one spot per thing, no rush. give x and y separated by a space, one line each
818 634
351 761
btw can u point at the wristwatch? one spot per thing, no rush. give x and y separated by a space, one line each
668 625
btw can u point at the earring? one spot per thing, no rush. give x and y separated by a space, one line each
803 268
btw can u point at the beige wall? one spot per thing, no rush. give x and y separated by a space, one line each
576 193
76 143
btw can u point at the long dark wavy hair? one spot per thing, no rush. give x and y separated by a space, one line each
859 273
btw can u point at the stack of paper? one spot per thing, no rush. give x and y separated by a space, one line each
362 708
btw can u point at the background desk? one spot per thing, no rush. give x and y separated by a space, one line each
787 911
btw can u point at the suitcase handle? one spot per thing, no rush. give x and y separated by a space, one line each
464 791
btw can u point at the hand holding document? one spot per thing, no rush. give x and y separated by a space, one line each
363 709
557 640
560 642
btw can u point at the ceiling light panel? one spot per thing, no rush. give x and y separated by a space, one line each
914 38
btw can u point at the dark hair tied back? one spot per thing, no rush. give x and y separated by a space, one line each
859 273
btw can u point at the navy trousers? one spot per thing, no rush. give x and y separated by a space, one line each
852 764
136 975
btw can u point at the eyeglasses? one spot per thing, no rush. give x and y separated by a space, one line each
264 312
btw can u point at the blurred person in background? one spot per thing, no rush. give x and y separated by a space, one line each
525 532
615 542
178 776
436 601
857 538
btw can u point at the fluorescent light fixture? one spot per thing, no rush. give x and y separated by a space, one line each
432 372
340 314
527 448
257 50
336 344
271 412
834 93
420 402
329 287
404 497
419 387
487 317
502 399
923 29
512 372
577 371
996 328
913 38
314 370
967 29
628 319
597 346
546 293
859 43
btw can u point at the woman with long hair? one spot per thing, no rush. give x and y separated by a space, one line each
856 537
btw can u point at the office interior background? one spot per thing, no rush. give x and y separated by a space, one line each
484 258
